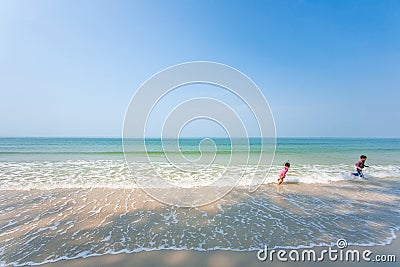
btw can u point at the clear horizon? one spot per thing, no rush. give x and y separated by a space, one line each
197 137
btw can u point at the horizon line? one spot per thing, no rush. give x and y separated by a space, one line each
199 137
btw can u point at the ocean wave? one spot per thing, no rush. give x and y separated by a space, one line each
116 174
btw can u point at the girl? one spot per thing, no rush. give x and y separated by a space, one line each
283 172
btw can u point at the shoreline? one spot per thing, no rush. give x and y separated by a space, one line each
103 227
222 258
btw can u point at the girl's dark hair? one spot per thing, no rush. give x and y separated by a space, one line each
287 164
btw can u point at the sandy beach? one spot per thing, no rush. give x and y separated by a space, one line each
218 258
199 133
85 227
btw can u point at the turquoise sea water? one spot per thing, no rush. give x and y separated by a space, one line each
301 150
100 162
28 163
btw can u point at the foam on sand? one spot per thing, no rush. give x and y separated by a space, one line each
39 226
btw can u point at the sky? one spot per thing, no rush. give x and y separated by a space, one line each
326 68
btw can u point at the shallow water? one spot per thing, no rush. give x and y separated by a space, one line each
51 163
48 225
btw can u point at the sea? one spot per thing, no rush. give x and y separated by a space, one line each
53 189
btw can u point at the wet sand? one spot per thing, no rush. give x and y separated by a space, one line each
220 259
38 226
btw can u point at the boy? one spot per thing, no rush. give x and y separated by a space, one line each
283 172
360 166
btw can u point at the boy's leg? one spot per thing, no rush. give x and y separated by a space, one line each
280 181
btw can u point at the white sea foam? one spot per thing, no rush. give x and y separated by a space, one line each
115 174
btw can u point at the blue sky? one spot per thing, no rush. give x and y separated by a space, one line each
327 68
